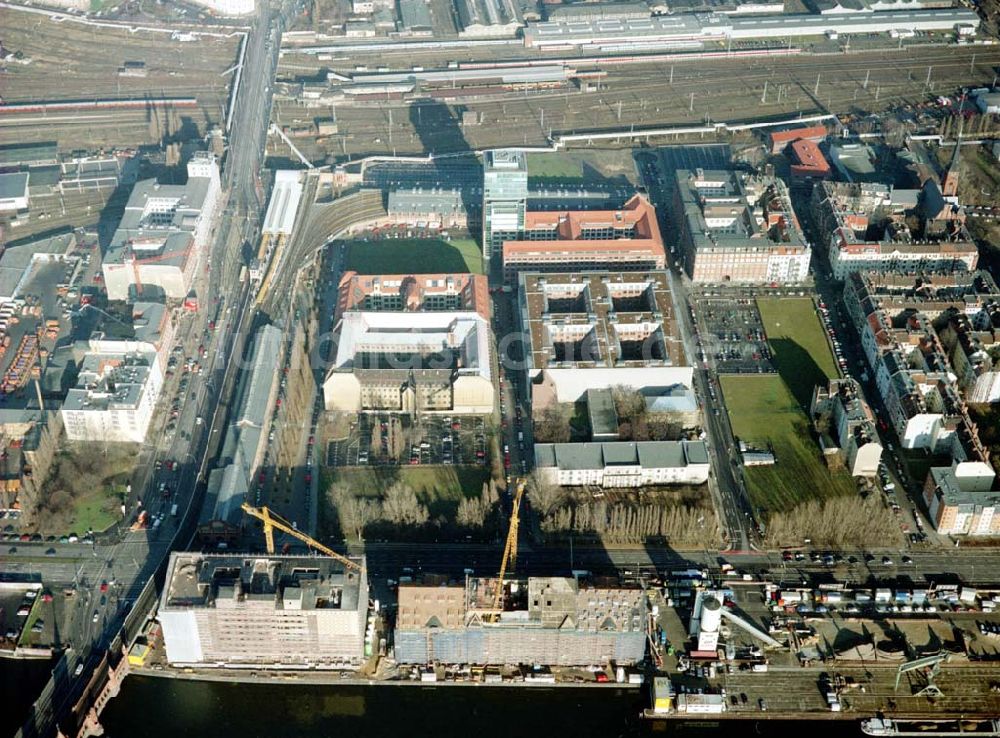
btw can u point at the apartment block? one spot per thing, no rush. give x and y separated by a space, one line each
738 228
873 227
413 293
849 426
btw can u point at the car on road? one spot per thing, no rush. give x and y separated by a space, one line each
104 586
79 670
50 552
762 703
887 561
97 616
907 560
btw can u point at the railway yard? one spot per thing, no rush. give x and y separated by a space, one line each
58 63
621 96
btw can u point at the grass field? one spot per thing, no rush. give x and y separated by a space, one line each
802 354
590 166
438 487
763 411
415 256
96 510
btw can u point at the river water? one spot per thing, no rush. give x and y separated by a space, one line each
155 708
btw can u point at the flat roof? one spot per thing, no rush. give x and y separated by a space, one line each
13 184
623 318
644 454
199 581
284 203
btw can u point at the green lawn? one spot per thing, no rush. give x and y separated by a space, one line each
415 256
802 354
96 510
588 166
438 487
763 411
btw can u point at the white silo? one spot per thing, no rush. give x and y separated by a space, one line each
711 618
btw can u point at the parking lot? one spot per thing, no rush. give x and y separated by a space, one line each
380 440
730 335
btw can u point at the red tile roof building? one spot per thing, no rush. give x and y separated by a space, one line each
628 238
781 139
413 292
808 160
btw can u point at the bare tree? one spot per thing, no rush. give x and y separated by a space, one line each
544 496
401 507
553 425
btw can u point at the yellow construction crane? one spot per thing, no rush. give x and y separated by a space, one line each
272 521
509 551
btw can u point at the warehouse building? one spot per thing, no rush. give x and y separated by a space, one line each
870 227
555 621
114 398
14 192
597 330
622 464
413 293
163 233
808 162
740 228
263 612
245 442
412 361
553 240
488 18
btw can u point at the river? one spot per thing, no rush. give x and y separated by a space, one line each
158 708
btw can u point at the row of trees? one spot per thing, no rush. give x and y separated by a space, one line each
847 521
561 512
398 512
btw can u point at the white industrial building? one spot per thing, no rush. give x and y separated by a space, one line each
693 29
114 398
152 333
164 233
406 362
228 7
263 612
14 191
623 464
284 203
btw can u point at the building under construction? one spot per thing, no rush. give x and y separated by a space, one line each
556 621
264 611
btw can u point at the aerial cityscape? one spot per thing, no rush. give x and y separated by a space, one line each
635 362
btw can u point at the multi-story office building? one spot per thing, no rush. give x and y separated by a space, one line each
164 233
114 398
413 293
505 198
263 611
736 227
552 241
598 330
410 362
